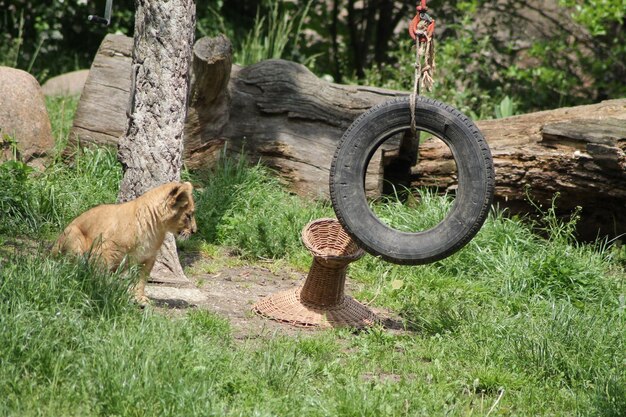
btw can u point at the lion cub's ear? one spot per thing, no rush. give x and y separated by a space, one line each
179 196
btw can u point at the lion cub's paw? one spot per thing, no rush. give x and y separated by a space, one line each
143 301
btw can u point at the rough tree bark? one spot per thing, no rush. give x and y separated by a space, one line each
151 151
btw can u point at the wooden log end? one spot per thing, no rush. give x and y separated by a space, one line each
212 50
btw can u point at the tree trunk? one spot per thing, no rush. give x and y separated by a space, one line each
151 151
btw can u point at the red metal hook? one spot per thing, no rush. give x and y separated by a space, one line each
422 26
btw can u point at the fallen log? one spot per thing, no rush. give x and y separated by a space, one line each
578 152
291 120
278 112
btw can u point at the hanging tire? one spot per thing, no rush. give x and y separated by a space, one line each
473 196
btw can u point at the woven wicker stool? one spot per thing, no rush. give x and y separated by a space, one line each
321 300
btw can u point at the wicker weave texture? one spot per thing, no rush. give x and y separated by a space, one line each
326 239
321 301
287 307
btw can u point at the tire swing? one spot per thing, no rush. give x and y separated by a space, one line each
415 113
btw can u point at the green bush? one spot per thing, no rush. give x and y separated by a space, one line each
477 69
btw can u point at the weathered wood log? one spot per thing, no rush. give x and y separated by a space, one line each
100 117
284 115
279 112
209 101
275 111
578 152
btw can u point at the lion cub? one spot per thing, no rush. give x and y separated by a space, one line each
134 230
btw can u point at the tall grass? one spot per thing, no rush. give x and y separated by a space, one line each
37 203
74 345
248 209
274 35
516 309
61 111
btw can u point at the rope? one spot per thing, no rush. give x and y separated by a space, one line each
416 85
422 30
423 75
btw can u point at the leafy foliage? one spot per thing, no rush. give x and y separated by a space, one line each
573 60
484 54
49 38
606 61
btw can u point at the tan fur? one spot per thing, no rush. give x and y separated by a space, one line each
132 231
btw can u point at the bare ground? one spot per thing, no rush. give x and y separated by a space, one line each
230 288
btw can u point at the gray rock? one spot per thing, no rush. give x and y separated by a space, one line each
175 296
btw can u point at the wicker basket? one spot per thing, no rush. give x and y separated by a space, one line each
321 301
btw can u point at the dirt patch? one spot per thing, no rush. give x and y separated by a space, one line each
232 290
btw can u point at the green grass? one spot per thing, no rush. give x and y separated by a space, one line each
246 208
40 203
512 325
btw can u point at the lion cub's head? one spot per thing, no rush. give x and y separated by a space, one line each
181 207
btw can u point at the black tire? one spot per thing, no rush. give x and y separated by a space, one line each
475 181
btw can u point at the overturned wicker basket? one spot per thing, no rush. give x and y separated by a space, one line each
321 301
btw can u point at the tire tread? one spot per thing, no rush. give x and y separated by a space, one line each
487 164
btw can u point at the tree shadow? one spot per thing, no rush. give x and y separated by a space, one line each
172 303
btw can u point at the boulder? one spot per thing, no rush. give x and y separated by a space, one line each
68 84
24 122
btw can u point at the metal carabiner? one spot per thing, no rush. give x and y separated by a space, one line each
422 26
106 20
